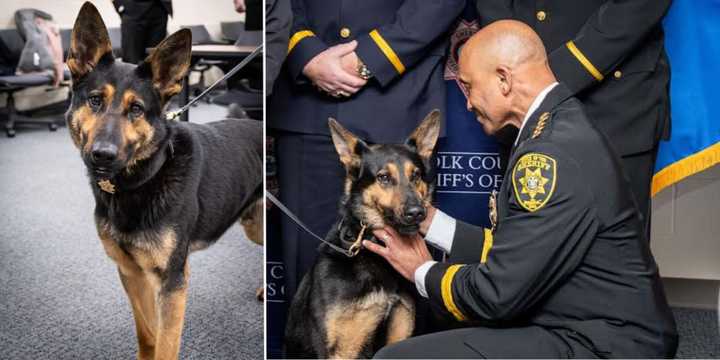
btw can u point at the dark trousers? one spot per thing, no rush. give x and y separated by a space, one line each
310 178
142 31
639 171
468 343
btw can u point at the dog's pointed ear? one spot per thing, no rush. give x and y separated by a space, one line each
168 63
425 136
89 42
348 146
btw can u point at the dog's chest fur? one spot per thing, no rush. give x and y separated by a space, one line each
144 250
371 308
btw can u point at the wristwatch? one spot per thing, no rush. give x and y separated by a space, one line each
363 70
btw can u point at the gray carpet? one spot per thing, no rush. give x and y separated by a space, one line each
699 334
60 296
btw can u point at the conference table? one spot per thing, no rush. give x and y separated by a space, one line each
233 54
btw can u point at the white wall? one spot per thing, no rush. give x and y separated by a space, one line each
686 239
186 12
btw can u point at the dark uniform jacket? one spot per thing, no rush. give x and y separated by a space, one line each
403 43
137 8
278 19
610 54
568 252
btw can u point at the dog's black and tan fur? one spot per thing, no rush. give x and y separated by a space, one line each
162 188
350 307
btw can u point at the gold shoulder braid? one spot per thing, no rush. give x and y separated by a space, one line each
541 124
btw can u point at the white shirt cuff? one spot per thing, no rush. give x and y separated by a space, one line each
441 231
420 273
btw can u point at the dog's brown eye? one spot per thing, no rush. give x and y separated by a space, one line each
383 178
136 110
95 101
415 175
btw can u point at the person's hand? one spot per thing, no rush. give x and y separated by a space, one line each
350 63
240 6
326 71
425 225
405 254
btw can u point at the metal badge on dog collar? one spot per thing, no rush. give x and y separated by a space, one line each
106 186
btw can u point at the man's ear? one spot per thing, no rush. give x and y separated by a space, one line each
504 79
168 64
425 136
348 146
89 42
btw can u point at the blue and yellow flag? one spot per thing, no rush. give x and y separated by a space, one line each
692 30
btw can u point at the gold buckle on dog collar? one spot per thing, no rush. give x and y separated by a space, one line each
106 186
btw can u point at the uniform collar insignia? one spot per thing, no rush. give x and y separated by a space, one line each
106 186
555 97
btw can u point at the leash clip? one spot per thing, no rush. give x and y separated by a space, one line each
172 115
357 245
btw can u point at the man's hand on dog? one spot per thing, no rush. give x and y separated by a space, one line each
328 70
404 253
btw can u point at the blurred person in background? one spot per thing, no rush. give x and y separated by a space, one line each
143 25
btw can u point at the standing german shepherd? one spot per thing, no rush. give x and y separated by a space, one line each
351 307
162 188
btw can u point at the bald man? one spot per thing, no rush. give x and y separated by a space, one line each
565 271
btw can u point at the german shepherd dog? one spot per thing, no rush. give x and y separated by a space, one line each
350 307
162 188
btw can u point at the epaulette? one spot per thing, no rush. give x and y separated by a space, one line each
541 124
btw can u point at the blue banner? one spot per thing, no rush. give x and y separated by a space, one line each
468 163
692 30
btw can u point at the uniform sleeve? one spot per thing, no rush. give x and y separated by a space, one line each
469 243
391 49
530 252
303 44
278 20
489 11
605 40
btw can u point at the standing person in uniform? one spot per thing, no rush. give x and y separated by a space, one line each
565 270
375 66
610 54
143 24
278 19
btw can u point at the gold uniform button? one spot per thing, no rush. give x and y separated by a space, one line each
617 74
541 15
345 33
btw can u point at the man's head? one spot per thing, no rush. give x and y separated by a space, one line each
503 67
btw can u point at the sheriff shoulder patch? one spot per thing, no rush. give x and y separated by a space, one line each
533 179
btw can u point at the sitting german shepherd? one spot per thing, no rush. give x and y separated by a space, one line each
350 307
162 188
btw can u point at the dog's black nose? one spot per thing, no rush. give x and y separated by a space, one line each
104 152
414 214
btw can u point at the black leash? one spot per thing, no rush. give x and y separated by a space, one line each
172 115
351 252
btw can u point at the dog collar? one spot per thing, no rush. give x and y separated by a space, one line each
353 242
106 186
